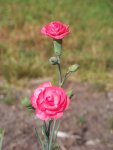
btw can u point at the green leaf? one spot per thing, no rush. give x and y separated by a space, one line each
39 139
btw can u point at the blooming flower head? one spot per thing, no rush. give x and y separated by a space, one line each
55 30
49 101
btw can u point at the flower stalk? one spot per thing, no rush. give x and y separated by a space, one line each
57 50
59 71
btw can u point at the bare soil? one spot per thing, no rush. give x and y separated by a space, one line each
89 121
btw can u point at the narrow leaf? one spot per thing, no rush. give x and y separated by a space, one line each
39 139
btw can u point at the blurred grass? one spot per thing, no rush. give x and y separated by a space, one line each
1 137
24 51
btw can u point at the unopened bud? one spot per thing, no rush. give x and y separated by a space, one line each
73 68
70 94
53 61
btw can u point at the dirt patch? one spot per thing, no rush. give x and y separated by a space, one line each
89 120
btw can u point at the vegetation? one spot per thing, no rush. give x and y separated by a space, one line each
1 137
23 49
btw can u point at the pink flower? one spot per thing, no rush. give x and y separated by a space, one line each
55 30
49 101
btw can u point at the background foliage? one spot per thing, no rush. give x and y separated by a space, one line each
24 51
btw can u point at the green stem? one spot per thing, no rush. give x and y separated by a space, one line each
46 131
39 139
52 134
57 49
59 71
58 126
1 139
65 77
49 127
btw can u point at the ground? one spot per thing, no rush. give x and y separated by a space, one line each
88 122
89 44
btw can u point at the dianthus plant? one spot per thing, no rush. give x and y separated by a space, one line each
48 101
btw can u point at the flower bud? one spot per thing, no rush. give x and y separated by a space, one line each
73 68
25 102
70 94
53 61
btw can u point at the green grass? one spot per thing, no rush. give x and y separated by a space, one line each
1 137
24 51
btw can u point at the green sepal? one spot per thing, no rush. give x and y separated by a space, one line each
57 46
26 103
70 94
